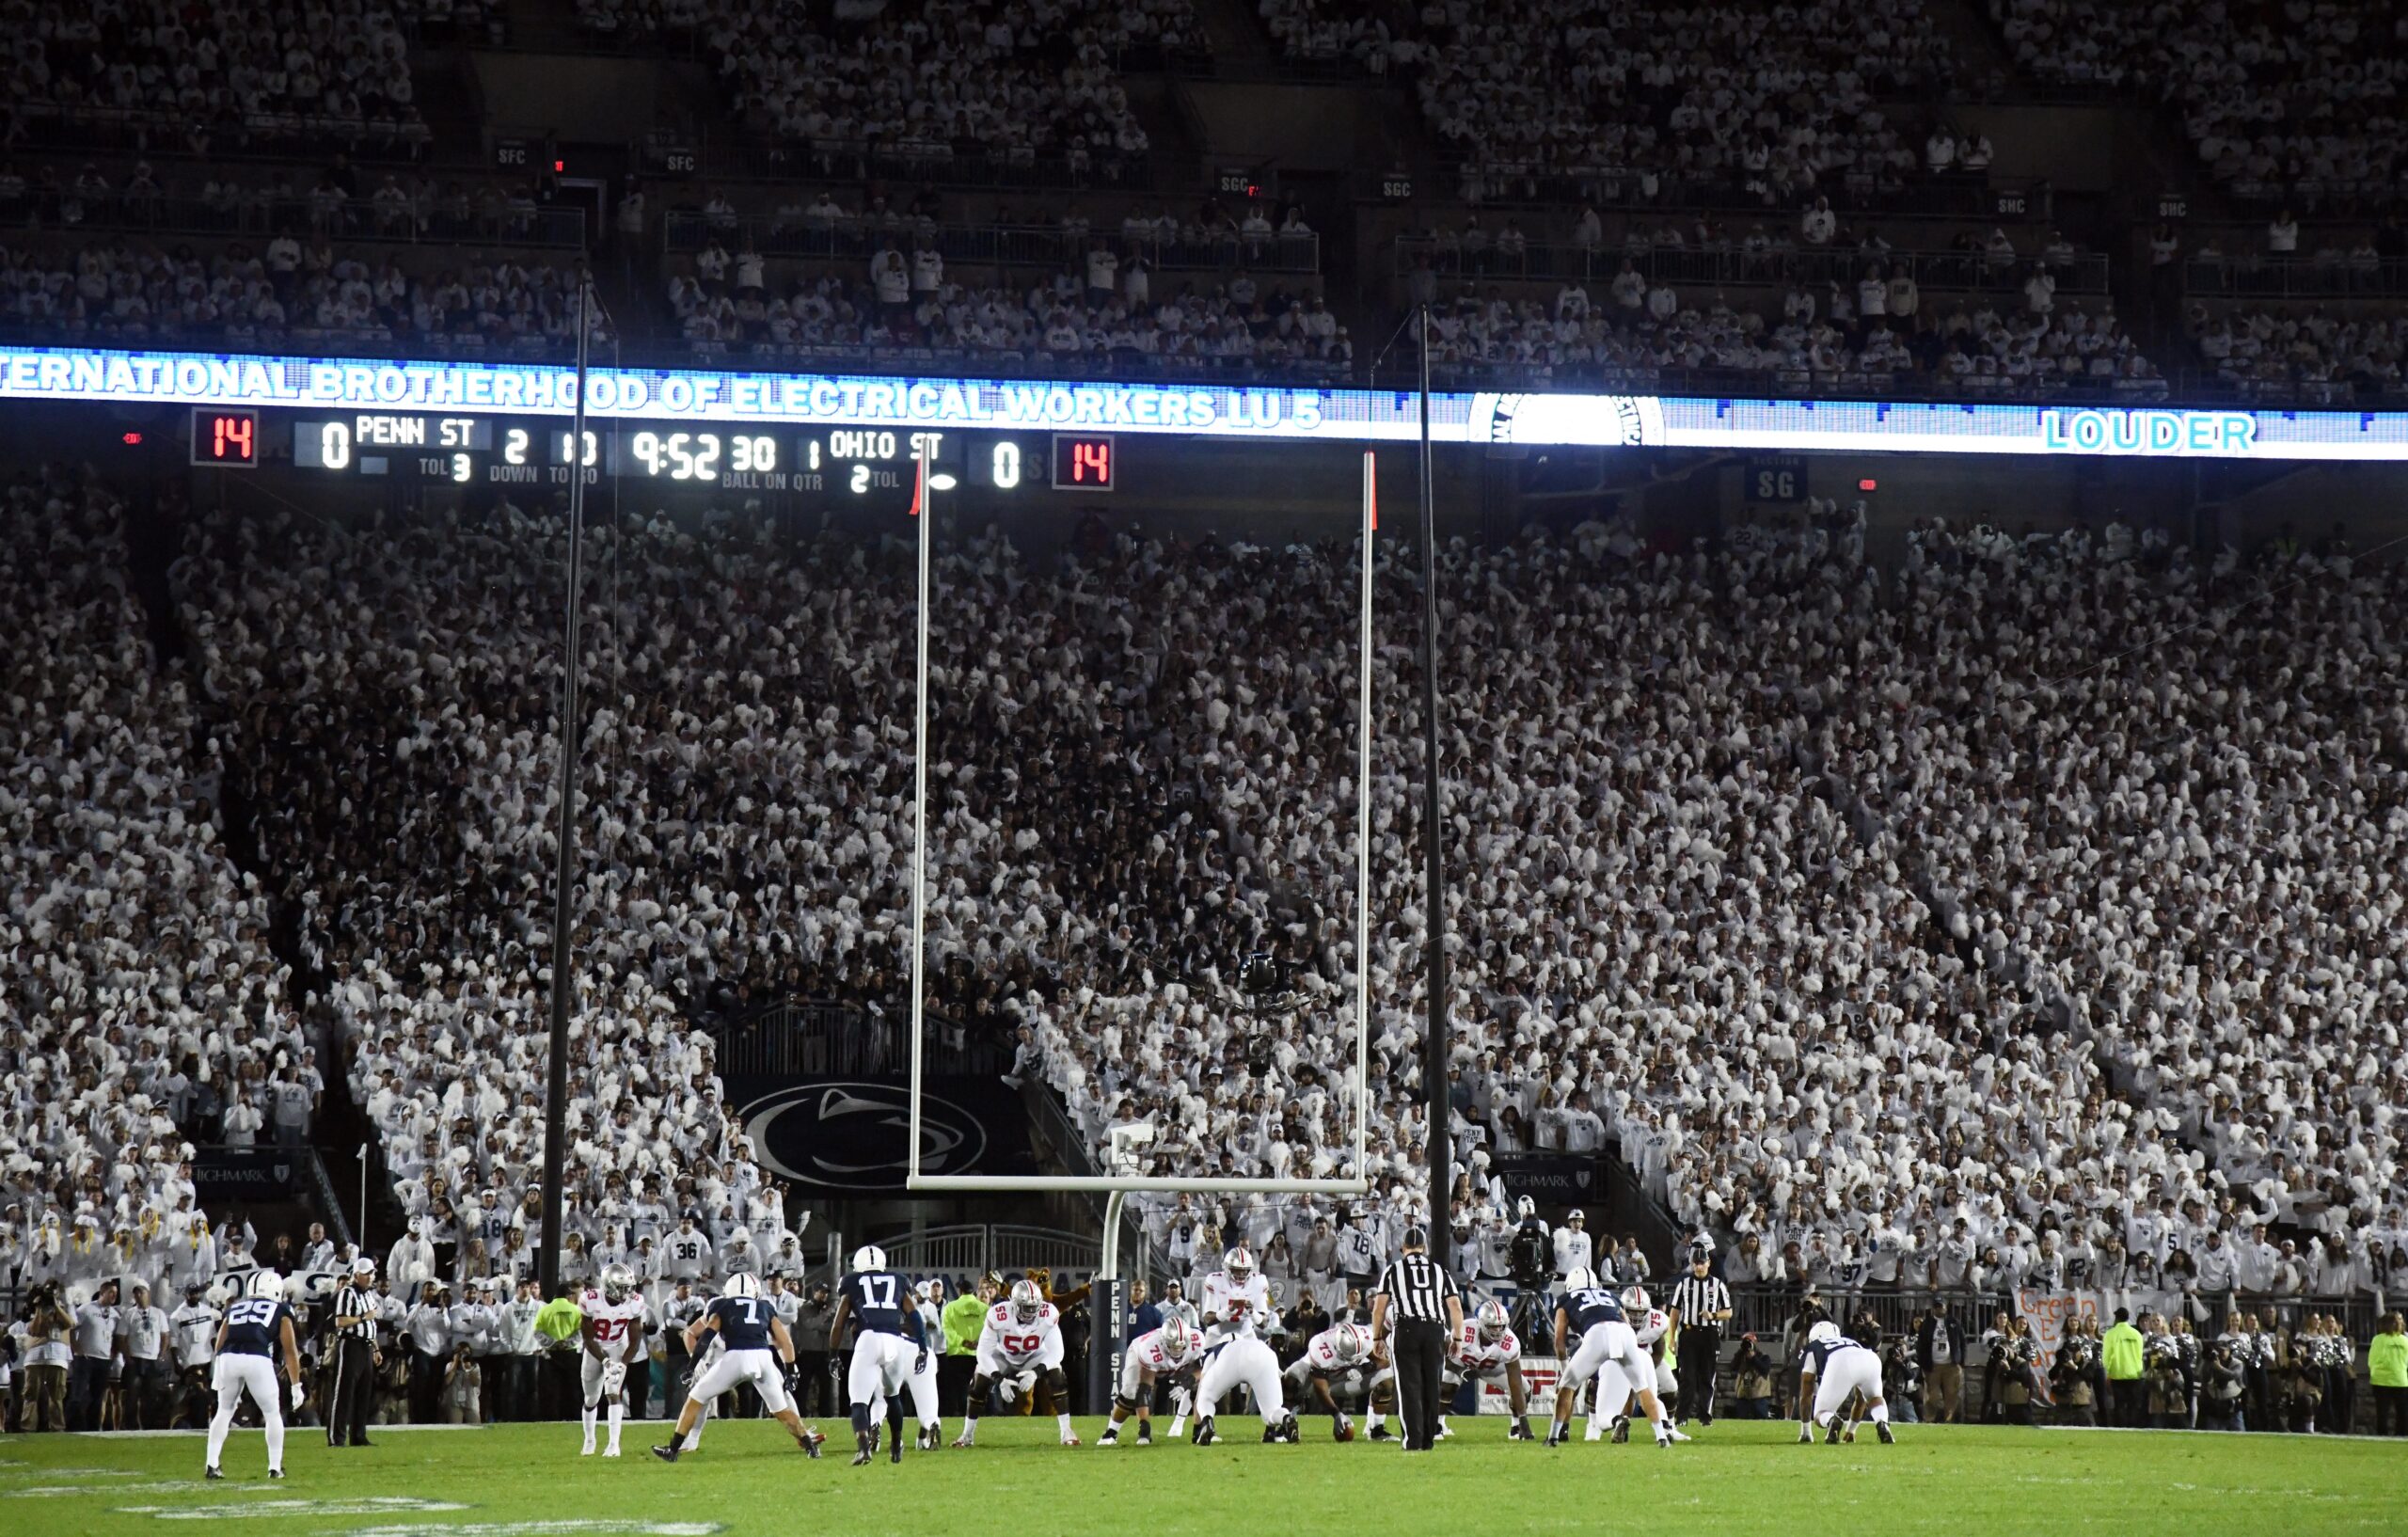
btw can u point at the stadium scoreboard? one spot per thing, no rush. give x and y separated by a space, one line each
469 450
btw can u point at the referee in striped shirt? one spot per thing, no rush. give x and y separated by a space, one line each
1700 1305
1418 1309
356 1311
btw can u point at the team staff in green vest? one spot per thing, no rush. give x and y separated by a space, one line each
2121 1352
963 1318
2387 1370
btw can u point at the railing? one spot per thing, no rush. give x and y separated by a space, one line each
1500 182
335 217
812 1037
971 1249
74 125
755 159
990 244
1937 272
2293 275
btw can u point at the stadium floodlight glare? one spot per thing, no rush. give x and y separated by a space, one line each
1119 1186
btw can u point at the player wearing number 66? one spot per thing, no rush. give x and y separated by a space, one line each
759 1350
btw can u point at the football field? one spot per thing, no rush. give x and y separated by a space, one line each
747 1478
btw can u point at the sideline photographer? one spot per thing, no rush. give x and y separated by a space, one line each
48 1354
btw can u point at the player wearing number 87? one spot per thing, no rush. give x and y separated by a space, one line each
890 1353
613 1338
1018 1347
759 1352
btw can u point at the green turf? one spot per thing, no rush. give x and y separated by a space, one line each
1735 1479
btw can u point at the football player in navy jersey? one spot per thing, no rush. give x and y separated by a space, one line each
1831 1370
255 1328
889 1349
758 1350
1590 1330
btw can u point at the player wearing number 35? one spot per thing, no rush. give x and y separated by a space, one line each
749 1328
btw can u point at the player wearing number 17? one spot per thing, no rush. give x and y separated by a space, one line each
890 1353
749 1328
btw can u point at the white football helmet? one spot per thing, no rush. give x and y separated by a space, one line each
1580 1279
1027 1301
1493 1321
267 1286
616 1283
742 1284
1238 1264
1177 1338
1634 1299
869 1256
1824 1333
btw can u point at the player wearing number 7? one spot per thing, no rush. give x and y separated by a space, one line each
747 1327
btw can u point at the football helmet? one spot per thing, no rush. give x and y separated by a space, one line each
267 1286
1634 1299
1580 1279
1493 1321
1177 1338
869 1256
616 1283
1238 1264
1349 1344
1027 1302
743 1284
1825 1333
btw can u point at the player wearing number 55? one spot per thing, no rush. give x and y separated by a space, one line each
759 1350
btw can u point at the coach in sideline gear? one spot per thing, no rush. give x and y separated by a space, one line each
357 1310
1419 1308
1700 1305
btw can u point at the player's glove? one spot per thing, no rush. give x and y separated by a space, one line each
920 1362
297 1395
836 1367
614 1376
1006 1389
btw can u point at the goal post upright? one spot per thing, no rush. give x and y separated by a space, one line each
915 1179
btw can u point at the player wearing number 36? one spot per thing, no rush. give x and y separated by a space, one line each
759 1352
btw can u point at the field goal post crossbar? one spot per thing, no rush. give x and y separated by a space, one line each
1119 1187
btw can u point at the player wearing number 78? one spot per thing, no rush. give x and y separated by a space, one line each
748 1327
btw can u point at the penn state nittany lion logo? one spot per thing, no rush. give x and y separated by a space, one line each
1611 421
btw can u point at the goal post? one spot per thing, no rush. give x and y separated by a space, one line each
1120 1185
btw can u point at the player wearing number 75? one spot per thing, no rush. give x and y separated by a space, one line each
748 1327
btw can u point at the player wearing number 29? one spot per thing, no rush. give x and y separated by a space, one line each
890 1353
1019 1345
1832 1374
759 1352
255 1328
613 1332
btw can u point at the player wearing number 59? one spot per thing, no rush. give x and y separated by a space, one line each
749 1328
254 1329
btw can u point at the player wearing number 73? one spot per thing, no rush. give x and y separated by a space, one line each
748 1327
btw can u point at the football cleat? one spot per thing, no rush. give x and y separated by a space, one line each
931 1440
963 1441
1202 1434
1446 1432
1519 1430
1596 1431
667 1453
277 1473
1144 1433
1621 1430
895 1449
1848 1436
1805 1435
212 1473
812 1441
1381 1433
1559 1434
1674 1434
1111 1437
586 1450
1832 1436
861 1458
1881 1429
1070 1440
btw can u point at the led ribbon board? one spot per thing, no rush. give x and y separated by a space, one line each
741 397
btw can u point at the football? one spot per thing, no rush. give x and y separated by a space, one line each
1345 1431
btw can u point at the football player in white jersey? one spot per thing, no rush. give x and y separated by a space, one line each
1648 1327
615 1337
1486 1350
1341 1349
1019 1345
1158 1356
1237 1305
